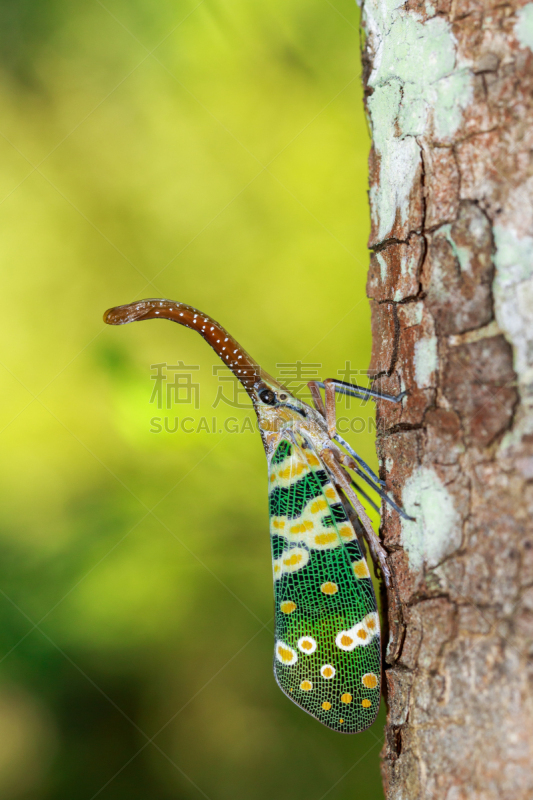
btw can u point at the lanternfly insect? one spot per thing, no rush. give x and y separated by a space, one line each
327 655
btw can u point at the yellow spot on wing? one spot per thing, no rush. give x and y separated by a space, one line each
360 569
370 680
313 460
318 505
326 706
306 686
346 698
366 703
371 623
361 634
293 559
329 588
302 527
288 606
325 538
293 470
285 654
330 493
327 671
307 644
346 532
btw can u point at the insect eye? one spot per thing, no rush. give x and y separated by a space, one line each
267 396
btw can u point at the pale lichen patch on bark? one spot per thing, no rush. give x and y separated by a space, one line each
524 26
513 303
417 85
513 295
400 157
436 530
426 362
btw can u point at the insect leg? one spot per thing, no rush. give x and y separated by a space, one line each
362 492
362 527
331 413
352 389
377 551
343 481
317 397
359 460
374 482
347 461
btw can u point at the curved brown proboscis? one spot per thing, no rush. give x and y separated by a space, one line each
230 351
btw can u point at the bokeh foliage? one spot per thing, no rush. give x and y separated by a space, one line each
212 153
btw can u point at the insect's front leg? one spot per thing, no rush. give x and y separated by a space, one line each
331 387
353 390
317 397
331 411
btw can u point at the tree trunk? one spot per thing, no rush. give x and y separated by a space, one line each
449 94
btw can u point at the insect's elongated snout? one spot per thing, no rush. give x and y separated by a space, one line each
230 351
121 315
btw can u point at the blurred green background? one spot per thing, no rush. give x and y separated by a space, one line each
215 154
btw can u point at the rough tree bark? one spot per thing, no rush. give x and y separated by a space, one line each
449 94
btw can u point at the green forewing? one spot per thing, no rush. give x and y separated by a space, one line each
327 653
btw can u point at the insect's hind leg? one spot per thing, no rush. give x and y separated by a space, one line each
363 529
342 480
393 624
377 551
353 390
